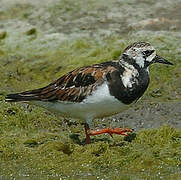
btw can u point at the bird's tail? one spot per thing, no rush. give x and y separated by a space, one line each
24 96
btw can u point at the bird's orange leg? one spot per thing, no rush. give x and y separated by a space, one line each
110 131
87 129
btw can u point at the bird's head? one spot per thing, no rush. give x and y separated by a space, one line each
142 54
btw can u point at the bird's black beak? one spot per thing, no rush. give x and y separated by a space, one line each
159 59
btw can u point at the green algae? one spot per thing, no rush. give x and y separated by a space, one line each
153 153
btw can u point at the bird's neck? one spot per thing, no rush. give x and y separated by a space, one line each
129 63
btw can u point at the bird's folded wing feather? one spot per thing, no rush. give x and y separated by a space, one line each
74 86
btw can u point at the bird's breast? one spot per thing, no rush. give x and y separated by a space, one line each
128 86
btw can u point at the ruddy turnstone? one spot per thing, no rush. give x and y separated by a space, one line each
98 90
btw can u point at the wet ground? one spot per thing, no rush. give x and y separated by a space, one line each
149 115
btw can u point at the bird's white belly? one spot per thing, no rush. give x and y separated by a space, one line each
99 104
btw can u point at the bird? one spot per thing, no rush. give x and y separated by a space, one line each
98 90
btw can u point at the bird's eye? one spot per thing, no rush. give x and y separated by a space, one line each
148 52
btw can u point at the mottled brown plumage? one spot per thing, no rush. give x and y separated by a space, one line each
73 86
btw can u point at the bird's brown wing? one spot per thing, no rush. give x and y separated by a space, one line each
74 86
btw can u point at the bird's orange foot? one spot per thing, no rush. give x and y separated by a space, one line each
110 131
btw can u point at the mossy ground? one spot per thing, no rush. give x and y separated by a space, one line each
36 144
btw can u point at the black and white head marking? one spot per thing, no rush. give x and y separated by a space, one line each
142 53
